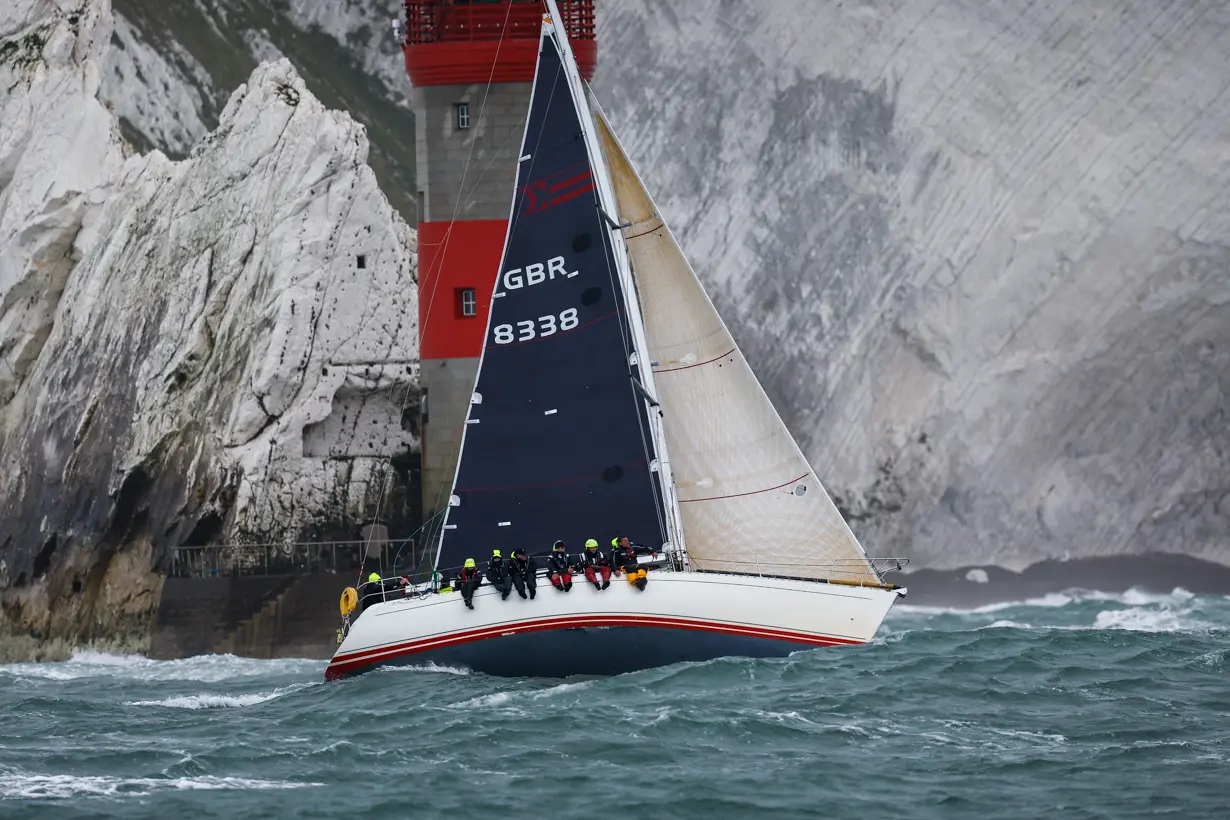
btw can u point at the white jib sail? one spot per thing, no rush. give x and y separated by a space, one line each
749 500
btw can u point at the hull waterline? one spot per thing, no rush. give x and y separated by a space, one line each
678 617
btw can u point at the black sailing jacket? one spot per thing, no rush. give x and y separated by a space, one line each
526 567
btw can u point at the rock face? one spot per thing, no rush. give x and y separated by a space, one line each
221 347
173 65
978 252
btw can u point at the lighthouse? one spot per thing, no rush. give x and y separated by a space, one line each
471 65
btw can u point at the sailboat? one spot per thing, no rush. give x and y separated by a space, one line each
611 400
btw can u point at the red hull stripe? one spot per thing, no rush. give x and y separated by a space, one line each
365 657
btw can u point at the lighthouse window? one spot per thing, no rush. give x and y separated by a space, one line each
463 115
469 301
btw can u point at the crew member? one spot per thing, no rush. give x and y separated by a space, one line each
373 590
595 562
523 569
623 556
559 568
497 574
636 548
468 579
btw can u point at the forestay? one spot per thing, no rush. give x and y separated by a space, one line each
749 500
556 444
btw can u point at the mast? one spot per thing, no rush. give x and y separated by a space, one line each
560 438
608 203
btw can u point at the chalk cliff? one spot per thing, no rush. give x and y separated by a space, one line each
978 252
220 346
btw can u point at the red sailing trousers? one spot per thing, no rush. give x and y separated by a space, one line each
592 576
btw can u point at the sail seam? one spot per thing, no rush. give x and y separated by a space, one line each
698 364
740 495
657 227
557 483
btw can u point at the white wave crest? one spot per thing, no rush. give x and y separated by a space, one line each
106 658
1075 610
18 785
430 666
1055 600
485 701
203 668
1051 601
210 700
1006 624
1149 620
514 698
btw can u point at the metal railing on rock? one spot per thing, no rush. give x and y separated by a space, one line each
301 558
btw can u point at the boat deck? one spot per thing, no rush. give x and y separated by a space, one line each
680 616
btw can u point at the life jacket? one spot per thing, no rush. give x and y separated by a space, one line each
466 574
524 566
558 562
495 568
596 558
625 557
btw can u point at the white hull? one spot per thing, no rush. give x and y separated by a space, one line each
680 616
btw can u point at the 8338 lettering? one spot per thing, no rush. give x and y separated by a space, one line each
529 329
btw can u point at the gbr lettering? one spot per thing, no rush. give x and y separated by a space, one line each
528 329
536 273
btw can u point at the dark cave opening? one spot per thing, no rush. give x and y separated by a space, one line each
128 513
206 530
42 561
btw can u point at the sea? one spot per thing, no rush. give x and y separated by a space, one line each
1081 705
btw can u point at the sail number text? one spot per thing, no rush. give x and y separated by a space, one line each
528 329
536 273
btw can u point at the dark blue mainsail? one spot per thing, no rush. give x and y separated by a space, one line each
557 445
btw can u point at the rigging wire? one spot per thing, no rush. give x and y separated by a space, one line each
514 218
439 260
625 332
638 401
616 283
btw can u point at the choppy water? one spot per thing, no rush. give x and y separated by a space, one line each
1082 705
